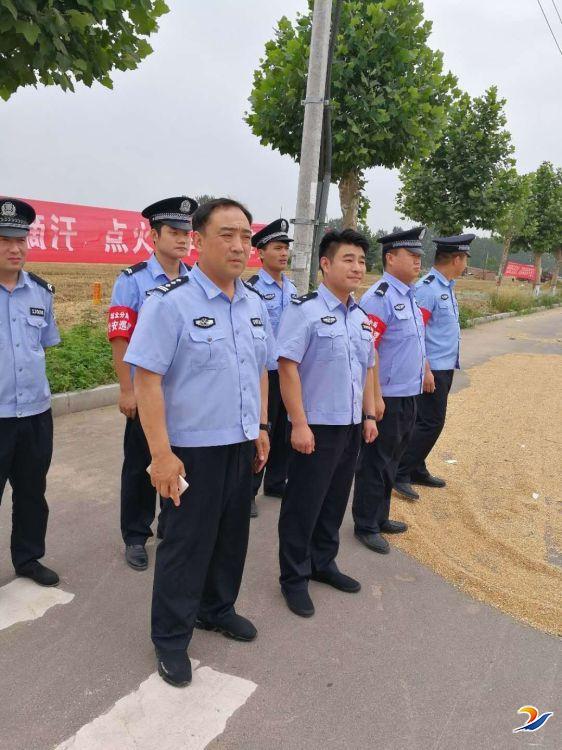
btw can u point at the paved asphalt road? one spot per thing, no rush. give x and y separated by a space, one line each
410 662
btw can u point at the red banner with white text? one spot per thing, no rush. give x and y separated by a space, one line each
69 233
520 270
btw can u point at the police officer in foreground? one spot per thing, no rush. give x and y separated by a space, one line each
326 359
27 328
436 297
272 243
170 228
399 335
201 347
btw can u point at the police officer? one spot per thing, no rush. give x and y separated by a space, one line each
27 328
272 243
326 359
170 225
436 297
400 341
201 348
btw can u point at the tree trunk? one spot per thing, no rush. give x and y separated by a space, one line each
350 193
503 262
538 274
556 270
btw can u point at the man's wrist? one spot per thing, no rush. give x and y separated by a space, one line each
265 427
370 417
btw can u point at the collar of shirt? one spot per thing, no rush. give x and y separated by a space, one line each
443 279
269 280
397 284
332 301
23 280
212 290
153 265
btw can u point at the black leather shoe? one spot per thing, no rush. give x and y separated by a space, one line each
136 556
393 527
299 602
253 509
38 573
427 480
338 580
274 492
405 490
174 667
375 542
232 626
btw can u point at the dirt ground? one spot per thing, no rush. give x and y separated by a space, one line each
73 282
496 530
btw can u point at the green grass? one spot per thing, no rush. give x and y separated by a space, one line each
82 360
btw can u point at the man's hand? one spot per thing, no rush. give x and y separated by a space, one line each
380 406
262 451
370 430
428 382
128 403
164 473
302 439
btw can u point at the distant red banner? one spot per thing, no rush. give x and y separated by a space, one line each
520 270
68 233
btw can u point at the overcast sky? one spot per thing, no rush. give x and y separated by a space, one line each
175 125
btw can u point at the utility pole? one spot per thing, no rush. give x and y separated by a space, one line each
311 142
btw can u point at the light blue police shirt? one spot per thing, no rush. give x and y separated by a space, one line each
130 291
211 352
27 328
436 297
333 346
399 335
276 297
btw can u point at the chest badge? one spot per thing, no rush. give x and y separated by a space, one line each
204 322
366 326
399 307
329 320
38 311
256 322
271 295
444 297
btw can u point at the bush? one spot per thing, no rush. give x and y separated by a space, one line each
82 359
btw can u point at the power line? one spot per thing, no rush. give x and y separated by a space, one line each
549 26
557 11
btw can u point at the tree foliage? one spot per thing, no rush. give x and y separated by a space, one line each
389 94
60 42
467 180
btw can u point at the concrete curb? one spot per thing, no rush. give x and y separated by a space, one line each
108 395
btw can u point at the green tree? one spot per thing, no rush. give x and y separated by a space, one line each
373 258
389 93
450 188
60 42
511 193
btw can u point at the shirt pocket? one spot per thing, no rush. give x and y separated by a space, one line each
207 349
330 344
34 326
446 308
405 322
363 343
259 337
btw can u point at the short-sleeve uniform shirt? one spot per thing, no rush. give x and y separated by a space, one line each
27 328
333 346
436 297
399 335
211 352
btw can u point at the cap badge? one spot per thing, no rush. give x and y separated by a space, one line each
8 209
185 207
284 225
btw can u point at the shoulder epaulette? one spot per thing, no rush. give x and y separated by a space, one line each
252 280
133 269
363 311
38 280
382 289
429 279
252 289
165 288
304 298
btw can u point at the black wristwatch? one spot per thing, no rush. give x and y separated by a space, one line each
369 416
266 427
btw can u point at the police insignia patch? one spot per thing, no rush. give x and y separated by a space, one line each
429 279
39 311
399 307
329 320
8 209
366 326
444 296
204 322
256 322
271 295
294 296
381 289
304 298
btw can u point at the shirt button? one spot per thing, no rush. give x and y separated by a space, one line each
14 320
17 344
20 369
242 361
209 338
20 394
